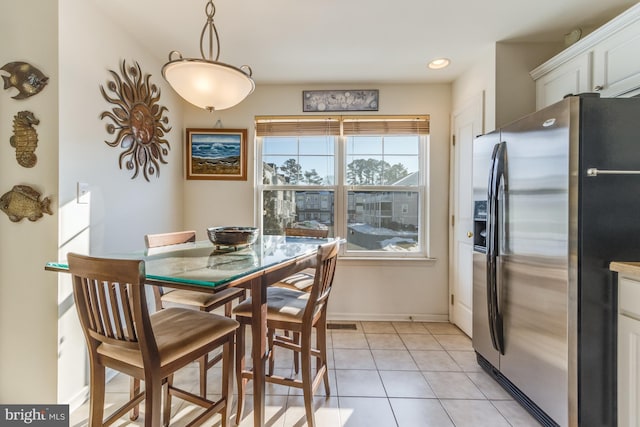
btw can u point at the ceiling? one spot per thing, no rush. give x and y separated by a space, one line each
354 41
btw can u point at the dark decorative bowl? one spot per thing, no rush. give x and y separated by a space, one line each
232 236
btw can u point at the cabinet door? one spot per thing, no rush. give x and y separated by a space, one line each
628 371
616 62
571 78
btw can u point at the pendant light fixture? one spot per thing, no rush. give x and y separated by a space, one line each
205 82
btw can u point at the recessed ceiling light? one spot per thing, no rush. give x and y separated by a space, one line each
439 63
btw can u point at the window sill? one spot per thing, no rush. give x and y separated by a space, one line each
351 260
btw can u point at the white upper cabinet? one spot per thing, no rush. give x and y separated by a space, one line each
616 62
606 61
574 76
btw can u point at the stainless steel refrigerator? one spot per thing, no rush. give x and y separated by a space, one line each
556 199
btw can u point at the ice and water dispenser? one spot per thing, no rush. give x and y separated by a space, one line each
480 225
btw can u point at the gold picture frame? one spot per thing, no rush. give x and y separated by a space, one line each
216 154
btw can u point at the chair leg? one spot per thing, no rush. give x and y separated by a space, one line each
240 366
296 356
134 389
203 361
321 342
307 378
152 401
96 402
270 333
166 413
227 384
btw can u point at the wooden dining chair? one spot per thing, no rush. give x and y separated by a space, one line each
202 301
298 312
303 280
121 334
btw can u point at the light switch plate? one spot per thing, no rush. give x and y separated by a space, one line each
83 193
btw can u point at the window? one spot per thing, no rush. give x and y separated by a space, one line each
360 177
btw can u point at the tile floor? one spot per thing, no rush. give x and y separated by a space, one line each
385 374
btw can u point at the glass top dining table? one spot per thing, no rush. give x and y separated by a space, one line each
203 267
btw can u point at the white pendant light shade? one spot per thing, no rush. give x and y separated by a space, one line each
206 84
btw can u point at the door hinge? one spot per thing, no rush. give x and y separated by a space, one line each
452 298
453 140
453 220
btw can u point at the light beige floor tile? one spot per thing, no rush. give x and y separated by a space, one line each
474 413
420 412
320 391
454 342
365 412
488 386
120 384
353 359
275 408
378 328
434 360
399 360
466 360
349 340
410 327
443 328
452 385
360 383
326 412
515 414
272 389
406 384
420 342
113 401
385 342
362 373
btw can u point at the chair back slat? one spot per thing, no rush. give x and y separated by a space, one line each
105 313
111 303
326 261
128 314
166 239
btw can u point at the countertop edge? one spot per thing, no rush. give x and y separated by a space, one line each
626 267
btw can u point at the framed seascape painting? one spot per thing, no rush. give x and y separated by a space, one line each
217 154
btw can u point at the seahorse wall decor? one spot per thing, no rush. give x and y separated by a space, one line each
25 138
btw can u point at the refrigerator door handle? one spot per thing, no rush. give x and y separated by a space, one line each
497 180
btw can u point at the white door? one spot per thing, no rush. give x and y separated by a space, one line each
467 124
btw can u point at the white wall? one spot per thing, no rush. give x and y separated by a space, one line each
502 73
363 289
121 209
515 89
75 47
28 309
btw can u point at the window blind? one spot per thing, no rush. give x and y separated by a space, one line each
369 125
344 125
297 127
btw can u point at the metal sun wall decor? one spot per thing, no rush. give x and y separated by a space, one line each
138 119
340 100
25 138
24 77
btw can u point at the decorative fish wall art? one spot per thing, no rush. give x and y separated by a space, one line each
24 202
25 138
25 77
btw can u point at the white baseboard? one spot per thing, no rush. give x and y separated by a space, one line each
368 317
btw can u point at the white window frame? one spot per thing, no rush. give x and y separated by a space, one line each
341 190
